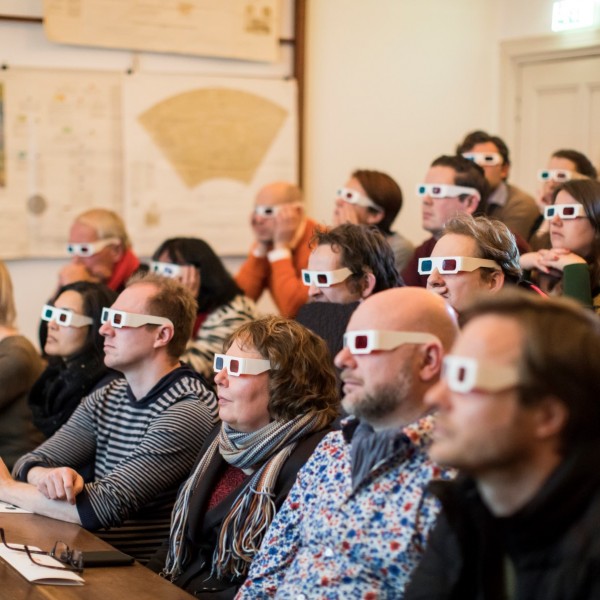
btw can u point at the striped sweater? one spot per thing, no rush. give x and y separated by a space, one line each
141 450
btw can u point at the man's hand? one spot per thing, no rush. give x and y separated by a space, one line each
287 221
62 483
72 272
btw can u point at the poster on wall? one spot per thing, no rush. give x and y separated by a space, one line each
240 29
62 146
197 150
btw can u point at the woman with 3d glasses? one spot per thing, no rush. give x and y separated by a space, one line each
277 398
222 306
572 266
20 366
75 353
374 198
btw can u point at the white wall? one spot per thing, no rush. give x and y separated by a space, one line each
391 84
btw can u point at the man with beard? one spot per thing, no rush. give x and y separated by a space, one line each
357 519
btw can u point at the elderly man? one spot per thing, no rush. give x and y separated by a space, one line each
453 185
356 521
280 250
140 434
518 413
100 250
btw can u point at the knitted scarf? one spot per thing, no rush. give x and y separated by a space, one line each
261 453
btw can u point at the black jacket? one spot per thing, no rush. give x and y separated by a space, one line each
550 547
203 527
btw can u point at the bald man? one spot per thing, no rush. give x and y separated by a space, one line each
280 250
356 521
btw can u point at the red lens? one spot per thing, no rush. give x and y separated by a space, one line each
361 342
449 264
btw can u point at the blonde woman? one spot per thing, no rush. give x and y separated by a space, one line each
20 366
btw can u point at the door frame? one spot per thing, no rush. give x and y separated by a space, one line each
516 53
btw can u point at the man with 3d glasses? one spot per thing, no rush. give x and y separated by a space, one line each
356 521
140 434
280 250
475 256
506 202
453 185
517 411
100 251
347 264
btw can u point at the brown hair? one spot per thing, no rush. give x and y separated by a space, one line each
302 377
173 301
560 355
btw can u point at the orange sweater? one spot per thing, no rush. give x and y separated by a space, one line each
283 278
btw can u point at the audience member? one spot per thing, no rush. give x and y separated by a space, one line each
452 185
280 250
100 250
75 351
475 255
355 523
518 413
506 202
563 166
277 398
142 432
374 198
222 306
347 264
572 266
20 366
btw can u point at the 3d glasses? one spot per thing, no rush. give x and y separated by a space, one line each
325 278
369 340
450 265
356 198
86 249
262 210
484 159
120 318
463 375
441 190
240 366
165 269
558 175
564 211
64 317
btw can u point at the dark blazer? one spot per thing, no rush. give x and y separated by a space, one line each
203 526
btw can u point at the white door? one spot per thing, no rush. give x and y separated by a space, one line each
558 106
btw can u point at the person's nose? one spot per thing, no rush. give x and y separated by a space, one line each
435 279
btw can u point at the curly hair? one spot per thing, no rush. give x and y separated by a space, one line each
302 376
494 242
173 301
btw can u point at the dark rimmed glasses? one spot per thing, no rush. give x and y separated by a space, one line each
71 560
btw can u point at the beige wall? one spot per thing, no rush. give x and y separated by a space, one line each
391 84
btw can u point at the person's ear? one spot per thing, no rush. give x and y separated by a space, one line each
368 283
164 334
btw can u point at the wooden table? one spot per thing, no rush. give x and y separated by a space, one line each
101 583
